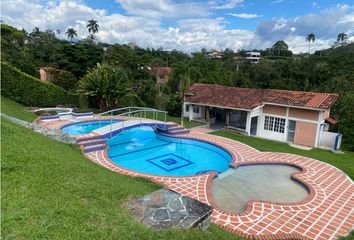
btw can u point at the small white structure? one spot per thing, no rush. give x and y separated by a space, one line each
254 57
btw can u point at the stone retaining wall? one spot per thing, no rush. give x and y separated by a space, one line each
49 132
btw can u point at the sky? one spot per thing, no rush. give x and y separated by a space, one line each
191 25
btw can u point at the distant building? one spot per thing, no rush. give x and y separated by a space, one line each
254 57
161 74
133 45
215 54
46 73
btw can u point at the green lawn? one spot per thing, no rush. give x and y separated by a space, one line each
186 122
51 191
16 110
344 161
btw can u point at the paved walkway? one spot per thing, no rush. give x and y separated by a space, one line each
327 212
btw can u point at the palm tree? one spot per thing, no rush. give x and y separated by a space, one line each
92 27
342 37
71 32
310 38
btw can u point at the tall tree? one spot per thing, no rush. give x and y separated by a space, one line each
280 46
92 27
342 37
106 84
310 38
71 33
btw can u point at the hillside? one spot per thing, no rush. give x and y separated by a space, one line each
48 187
16 110
30 91
328 70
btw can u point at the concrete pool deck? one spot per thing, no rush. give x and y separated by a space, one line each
326 213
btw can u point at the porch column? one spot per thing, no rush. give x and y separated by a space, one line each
190 112
227 117
248 123
207 114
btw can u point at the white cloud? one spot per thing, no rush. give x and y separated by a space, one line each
245 15
163 8
315 5
277 1
325 25
190 32
224 4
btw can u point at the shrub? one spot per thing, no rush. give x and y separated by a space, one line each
131 100
65 80
30 91
174 105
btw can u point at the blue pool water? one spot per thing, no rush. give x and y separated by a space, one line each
141 149
86 127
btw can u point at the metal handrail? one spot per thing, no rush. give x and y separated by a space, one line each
140 110
120 109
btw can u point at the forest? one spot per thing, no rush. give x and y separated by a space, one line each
106 76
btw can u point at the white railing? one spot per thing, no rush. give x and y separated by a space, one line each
134 112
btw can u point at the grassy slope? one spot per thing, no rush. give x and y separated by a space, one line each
344 161
49 190
16 110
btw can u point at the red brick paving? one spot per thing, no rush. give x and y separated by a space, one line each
327 213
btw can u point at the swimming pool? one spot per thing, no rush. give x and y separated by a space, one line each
141 149
86 127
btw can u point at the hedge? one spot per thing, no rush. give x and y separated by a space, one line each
31 91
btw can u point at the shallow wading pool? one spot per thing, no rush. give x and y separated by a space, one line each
141 149
86 127
233 189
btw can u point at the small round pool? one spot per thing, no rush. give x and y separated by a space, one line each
86 127
141 149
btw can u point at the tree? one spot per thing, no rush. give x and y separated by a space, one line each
342 37
106 84
71 32
92 27
280 46
310 38
64 79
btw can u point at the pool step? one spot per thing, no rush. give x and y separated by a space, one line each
92 142
94 148
90 138
178 132
173 129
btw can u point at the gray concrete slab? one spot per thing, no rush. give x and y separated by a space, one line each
235 187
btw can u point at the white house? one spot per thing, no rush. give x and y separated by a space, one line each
254 57
288 116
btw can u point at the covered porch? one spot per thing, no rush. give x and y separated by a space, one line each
238 119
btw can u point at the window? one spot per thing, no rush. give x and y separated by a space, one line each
196 110
274 124
187 108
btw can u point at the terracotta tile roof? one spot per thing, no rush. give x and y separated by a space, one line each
249 98
161 73
160 70
331 120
